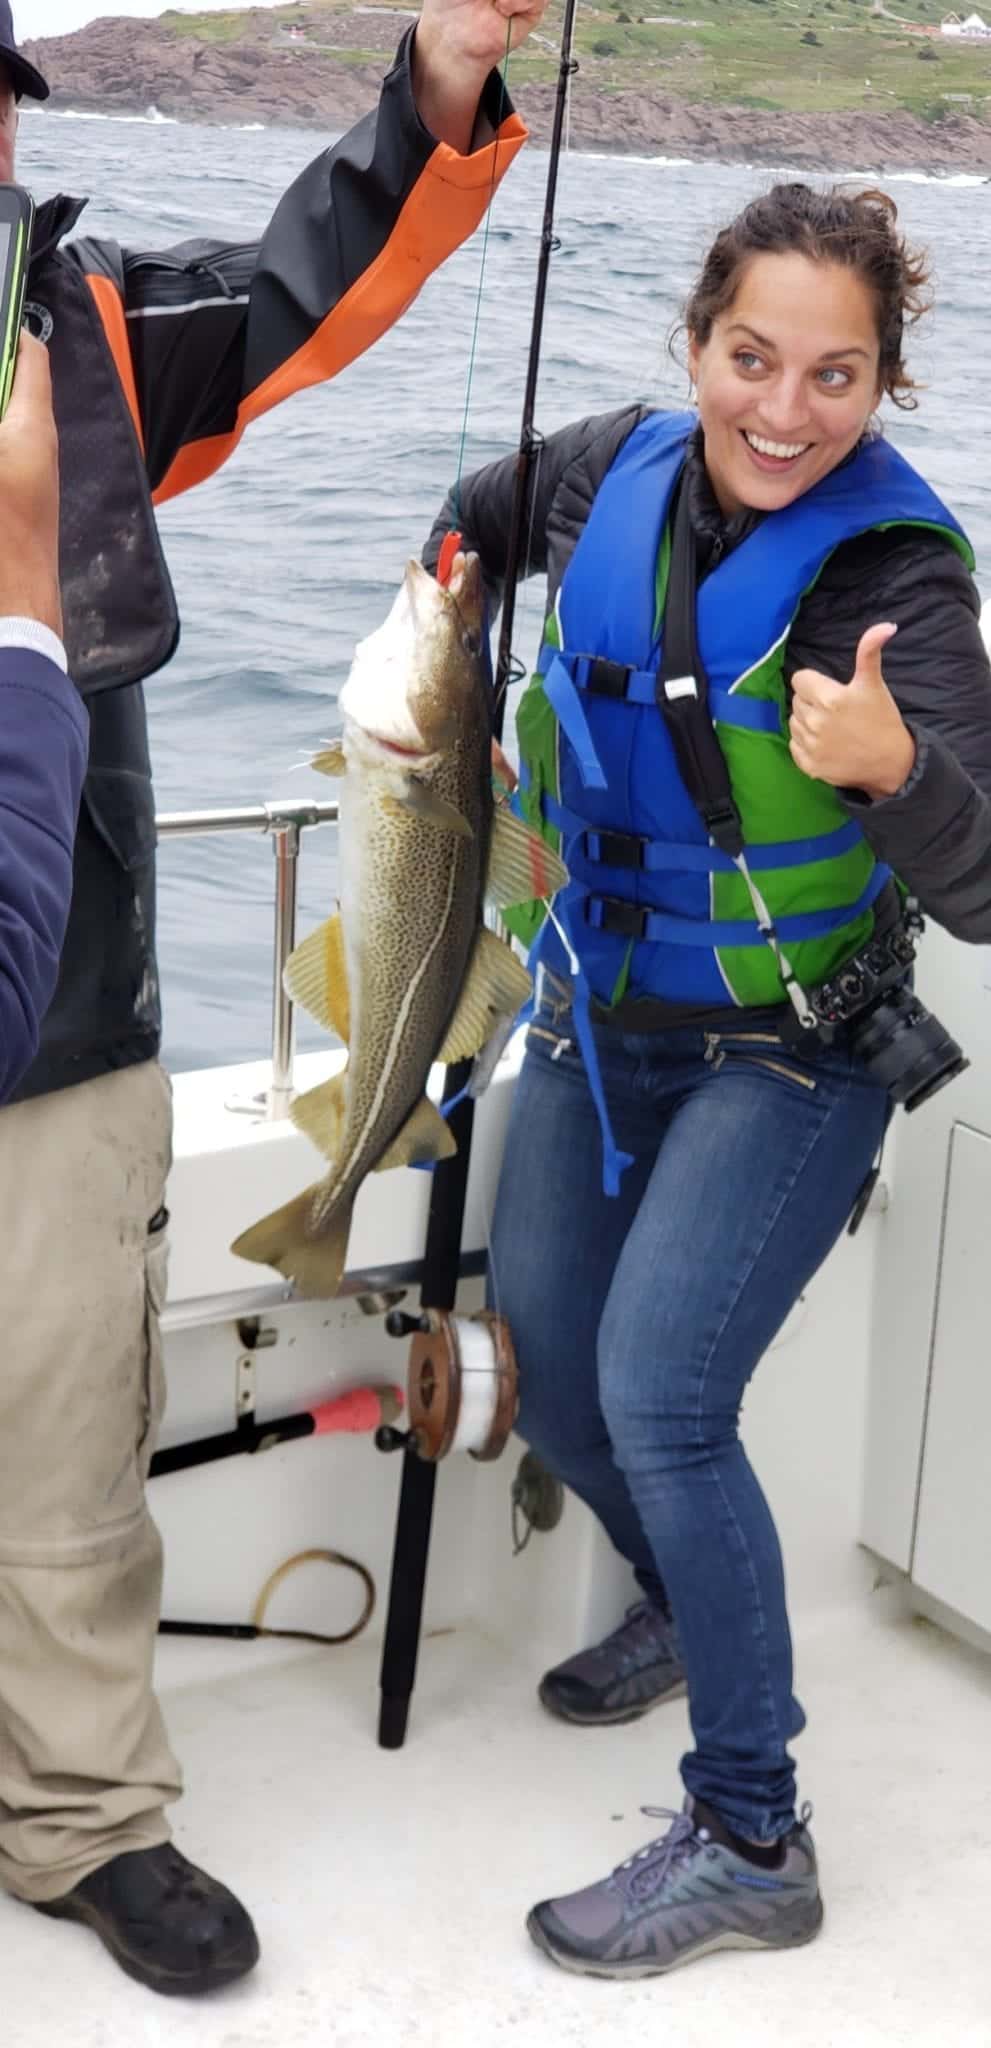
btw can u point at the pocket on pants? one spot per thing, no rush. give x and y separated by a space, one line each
156 1291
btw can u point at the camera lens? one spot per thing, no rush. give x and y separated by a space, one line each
908 1050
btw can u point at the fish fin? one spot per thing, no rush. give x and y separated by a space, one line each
413 795
330 760
487 1060
496 985
315 1265
521 865
320 1115
316 977
424 1137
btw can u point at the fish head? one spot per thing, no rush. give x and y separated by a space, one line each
422 677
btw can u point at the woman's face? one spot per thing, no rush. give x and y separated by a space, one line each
787 380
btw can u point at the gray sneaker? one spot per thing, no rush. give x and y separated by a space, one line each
679 1898
630 1671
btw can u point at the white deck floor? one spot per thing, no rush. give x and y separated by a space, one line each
389 1890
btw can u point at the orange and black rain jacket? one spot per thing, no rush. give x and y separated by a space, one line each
159 363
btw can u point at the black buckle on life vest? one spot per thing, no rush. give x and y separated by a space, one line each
623 920
616 849
608 678
722 820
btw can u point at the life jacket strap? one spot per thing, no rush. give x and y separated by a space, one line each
661 856
567 706
564 910
638 922
601 678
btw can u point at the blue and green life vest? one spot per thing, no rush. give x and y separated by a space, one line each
653 909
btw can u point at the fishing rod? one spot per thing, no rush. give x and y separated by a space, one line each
449 1179
359 1410
507 668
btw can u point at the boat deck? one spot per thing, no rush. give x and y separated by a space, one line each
389 1890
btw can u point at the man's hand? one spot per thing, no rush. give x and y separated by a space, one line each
29 494
852 735
457 44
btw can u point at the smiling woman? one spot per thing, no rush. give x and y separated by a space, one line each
795 331
783 402
734 784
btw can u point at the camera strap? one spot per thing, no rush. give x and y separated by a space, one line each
682 694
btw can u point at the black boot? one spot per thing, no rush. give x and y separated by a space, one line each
165 1922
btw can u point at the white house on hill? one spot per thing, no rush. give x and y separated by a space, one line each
972 28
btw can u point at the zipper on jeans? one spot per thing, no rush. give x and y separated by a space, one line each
554 1038
716 1055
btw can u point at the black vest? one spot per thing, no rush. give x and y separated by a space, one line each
121 624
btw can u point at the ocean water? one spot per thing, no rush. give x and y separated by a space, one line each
294 550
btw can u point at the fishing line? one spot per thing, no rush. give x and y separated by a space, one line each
494 1290
508 669
481 277
519 543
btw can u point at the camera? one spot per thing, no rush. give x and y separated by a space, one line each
899 1041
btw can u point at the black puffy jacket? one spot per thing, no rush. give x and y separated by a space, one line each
936 831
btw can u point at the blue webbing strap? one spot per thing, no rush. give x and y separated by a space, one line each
660 856
660 928
614 1162
729 707
566 703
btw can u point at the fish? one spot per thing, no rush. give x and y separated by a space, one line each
406 972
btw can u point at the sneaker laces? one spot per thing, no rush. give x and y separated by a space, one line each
661 1857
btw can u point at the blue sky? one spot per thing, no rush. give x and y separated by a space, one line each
57 17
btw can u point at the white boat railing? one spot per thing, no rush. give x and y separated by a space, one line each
286 822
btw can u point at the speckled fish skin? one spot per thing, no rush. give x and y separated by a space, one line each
411 891
407 972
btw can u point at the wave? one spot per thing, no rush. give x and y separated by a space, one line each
873 176
936 178
664 163
600 156
152 119
889 177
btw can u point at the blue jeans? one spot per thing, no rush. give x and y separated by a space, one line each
639 1319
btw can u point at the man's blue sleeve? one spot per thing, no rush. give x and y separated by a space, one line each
43 747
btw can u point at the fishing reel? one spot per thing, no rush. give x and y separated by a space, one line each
462 1385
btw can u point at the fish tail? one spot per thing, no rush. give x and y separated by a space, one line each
285 1240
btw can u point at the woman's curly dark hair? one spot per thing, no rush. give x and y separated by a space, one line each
856 229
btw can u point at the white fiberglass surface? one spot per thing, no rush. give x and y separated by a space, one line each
390 1889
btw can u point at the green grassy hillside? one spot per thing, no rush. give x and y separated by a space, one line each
820 56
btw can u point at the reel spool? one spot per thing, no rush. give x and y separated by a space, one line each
462 1383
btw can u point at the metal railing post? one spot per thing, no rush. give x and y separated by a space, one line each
285 841
285 823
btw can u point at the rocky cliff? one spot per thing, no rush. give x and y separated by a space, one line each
265 69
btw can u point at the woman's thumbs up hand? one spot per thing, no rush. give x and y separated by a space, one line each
852 735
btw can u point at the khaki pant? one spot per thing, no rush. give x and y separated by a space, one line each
84 1762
